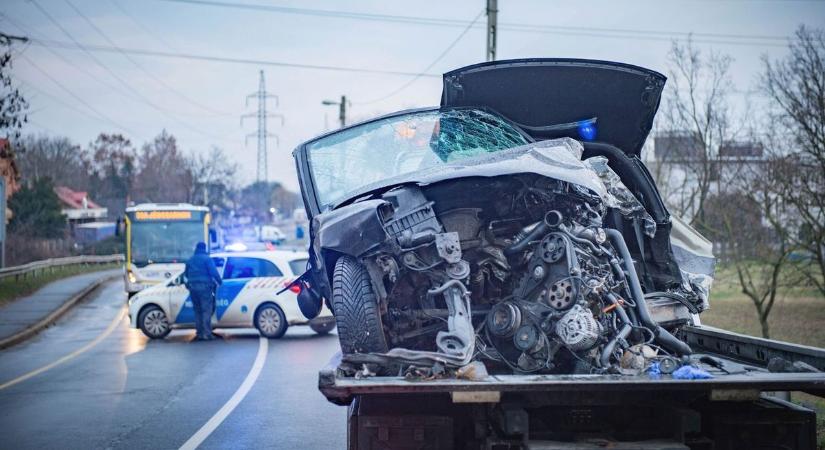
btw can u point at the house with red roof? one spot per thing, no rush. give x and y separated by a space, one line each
78 207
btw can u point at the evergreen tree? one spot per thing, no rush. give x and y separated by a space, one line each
37 211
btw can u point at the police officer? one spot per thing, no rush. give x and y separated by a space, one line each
202 279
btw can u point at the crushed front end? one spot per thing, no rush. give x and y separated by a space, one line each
519 259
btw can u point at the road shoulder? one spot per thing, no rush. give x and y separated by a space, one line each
27 316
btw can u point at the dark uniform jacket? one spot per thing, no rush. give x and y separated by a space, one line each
201 272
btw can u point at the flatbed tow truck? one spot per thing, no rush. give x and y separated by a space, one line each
531 166
744 406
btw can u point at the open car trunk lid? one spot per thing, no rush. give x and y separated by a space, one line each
550 97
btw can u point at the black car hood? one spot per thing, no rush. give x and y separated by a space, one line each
543 95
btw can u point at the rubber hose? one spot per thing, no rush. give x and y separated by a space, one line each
663 337
517 247
604 360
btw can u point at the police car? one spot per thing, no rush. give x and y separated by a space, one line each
247 298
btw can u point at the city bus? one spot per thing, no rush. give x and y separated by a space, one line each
160 237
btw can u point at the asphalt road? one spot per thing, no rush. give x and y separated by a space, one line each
125 391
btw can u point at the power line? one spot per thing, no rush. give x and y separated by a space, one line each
213 58
430 66
79 67
43 127
156 36
31 86
143 69
73 64
124 83
80 100
712 38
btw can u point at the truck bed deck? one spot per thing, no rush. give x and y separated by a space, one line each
733 349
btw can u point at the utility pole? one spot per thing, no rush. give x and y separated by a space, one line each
262 115
492 29
342 109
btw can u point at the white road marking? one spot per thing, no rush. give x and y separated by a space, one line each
71 355
214 422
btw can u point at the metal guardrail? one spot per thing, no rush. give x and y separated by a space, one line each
49 265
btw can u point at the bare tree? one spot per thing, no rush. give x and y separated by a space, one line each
751 218
796 84
213 178
695 121
13 105
736 200
112 163
163 172
57 158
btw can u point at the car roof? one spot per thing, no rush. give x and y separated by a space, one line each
272 255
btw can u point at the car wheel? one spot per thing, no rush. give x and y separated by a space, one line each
356 309
153 322
270 321
323 327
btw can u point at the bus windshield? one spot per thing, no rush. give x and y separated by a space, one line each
164 242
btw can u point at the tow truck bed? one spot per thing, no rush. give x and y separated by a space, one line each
554 411
726 346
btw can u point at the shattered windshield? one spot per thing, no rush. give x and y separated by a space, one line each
344 162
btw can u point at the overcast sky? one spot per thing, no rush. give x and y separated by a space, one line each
80 93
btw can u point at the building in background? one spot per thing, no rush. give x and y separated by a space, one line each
91 232
9 184
85 217
9 172
78 208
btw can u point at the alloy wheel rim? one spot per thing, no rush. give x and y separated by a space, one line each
155 322
269 321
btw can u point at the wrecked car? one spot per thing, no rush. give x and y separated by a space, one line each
515 225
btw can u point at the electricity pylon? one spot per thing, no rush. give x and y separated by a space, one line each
261 133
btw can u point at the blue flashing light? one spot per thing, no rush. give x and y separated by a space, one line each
587 130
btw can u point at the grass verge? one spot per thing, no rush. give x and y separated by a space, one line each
798 316
11 290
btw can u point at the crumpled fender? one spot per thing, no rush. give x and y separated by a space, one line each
353 229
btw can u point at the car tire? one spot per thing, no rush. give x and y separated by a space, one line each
356 309
270 321
153 322
322 327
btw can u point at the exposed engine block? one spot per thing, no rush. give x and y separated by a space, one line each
559 294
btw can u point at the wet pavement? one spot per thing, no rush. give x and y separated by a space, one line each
116 389
24 312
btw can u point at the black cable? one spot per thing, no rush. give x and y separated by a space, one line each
223 59
79 99
430 66
151 75
123 82
673 296
661 35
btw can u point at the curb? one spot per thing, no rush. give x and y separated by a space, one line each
41 324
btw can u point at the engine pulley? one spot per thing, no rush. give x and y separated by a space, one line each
526 338
552 248
503 319
560 295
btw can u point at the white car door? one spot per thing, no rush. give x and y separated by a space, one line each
180 306
247 282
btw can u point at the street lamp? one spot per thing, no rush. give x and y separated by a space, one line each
342 109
